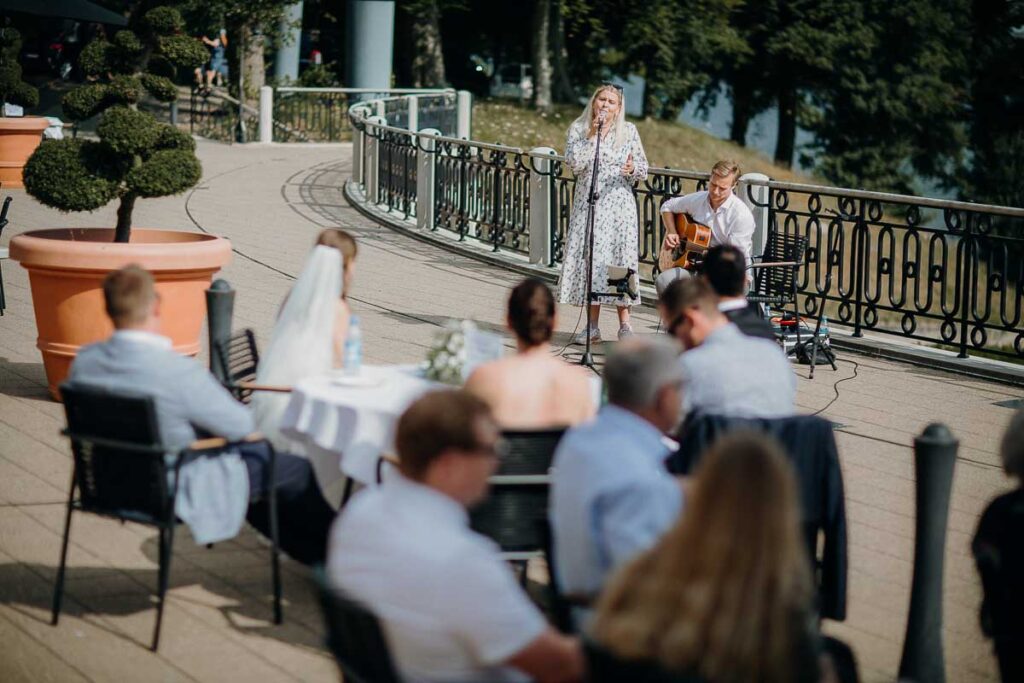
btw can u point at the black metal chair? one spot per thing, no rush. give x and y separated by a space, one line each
356 639
560 607
4 251
605 667
240 359
775 271
122 471
518 501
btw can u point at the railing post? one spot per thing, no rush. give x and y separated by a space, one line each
753 190
378 108
934 457
174 113
426 166
542 194
373 159
414 112
358 141
266 114
220 306
968 284
464 114
860 230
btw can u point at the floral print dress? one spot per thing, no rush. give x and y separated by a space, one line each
616 225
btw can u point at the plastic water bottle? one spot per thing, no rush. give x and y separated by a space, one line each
353 347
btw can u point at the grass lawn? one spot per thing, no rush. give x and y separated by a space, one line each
674 145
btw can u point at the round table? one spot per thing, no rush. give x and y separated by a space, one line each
344 424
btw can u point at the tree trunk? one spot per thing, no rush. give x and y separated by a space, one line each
541 55
787 100
562 90
741 114
123 231
251 43
428 55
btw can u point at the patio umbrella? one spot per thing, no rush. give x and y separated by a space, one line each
81 10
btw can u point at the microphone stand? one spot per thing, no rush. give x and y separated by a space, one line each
587 359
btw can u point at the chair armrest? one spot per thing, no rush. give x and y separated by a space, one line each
220 442
253 386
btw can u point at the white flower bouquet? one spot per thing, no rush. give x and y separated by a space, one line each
447 359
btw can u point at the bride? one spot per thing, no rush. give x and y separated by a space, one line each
309 336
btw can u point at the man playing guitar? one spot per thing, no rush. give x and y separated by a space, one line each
718 208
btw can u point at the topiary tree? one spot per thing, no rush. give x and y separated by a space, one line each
135 156
12 89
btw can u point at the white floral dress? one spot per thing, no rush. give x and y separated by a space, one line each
615 222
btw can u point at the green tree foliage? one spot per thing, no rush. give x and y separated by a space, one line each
12 88
896 101
136 156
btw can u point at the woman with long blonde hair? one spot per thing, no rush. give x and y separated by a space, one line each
616 225
726 595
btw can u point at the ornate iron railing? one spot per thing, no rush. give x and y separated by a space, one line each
483 191
942 272
314 115
936 271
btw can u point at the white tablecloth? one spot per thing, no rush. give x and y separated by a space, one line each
351 425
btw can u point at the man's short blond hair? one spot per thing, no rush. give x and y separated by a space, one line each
726 168
129 294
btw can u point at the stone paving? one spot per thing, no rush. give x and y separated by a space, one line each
271 202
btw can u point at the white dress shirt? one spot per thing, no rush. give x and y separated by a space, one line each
732 223
450 608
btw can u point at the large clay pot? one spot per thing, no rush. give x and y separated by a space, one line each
66 268
19 137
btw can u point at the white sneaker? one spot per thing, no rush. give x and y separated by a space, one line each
625 331
581 336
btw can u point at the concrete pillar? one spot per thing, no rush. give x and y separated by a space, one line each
426 158
541 196
286 64
414 111
760 196
266 114
358 140
372 159
220 306
378 109
464 124
371 33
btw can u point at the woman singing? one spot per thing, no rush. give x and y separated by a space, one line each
622 163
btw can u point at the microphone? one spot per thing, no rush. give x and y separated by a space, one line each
600 117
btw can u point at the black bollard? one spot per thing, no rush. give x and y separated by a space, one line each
220 306
934 457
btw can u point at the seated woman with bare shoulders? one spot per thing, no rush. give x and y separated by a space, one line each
532 389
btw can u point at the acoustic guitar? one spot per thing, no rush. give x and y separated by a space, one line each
694 240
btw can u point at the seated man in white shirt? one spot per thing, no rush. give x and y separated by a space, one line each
725 371
611 494
450 608
719 208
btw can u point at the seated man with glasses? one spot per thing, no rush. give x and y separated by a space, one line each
611 494
450 607
725 372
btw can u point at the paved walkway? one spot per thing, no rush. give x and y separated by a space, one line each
271 202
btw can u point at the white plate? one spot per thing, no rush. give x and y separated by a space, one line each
361 380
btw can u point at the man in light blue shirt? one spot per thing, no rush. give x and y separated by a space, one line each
725 372
611 495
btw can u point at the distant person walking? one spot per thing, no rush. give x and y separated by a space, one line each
217 66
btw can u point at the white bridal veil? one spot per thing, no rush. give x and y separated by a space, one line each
303 340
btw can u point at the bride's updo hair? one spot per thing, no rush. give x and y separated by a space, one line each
340 240
531 312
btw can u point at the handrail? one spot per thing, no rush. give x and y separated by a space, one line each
358 91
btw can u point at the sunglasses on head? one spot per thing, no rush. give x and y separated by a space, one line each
609 84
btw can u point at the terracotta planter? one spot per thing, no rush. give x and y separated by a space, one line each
19 137
66 268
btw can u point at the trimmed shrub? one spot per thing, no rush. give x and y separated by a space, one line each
136 156
12 88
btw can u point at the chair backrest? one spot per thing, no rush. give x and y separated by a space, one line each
3 212
120 466
240 359
809 442
778 283
519 492
355 638
605 667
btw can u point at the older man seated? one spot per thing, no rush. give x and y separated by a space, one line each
611 495
725 371
215 493
451 609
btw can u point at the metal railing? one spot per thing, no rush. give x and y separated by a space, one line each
942 272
